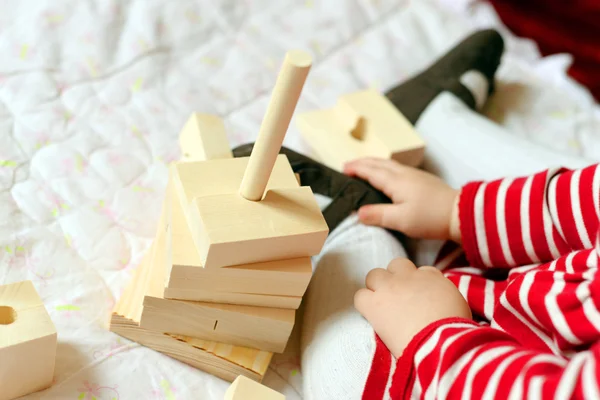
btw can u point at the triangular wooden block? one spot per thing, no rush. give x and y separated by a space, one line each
203 138
362 124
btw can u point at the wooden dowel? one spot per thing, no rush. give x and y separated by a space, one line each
275 123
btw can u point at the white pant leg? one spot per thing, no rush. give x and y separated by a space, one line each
463 146
337 343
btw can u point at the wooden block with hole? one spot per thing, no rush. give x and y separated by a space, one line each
28 342
243 388
279 283
228 229
203 138
220 359
362 124
251 210
257 327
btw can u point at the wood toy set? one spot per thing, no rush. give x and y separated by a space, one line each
230 261
231 257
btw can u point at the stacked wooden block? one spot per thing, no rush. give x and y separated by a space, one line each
231 257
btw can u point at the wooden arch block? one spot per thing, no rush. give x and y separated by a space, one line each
27 342
362 124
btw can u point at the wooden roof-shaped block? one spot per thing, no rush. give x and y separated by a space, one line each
243 388
362 124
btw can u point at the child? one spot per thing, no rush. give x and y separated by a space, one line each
530 325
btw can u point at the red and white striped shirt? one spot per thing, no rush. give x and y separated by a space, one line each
528 269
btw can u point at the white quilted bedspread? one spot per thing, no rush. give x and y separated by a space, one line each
93 95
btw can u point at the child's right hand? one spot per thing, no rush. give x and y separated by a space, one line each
423 205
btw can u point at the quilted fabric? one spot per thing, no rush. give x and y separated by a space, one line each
93 95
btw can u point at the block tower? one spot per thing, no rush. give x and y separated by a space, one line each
231 258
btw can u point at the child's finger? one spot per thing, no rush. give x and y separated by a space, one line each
362 300
380 178
376 278
385 215
383 163
401 266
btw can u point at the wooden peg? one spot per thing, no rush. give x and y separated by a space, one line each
275 124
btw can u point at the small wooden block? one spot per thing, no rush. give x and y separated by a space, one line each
288 278
362 124
222 360
203 138
245 389
28 342
257 327
230 230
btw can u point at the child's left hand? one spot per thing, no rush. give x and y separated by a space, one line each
402 300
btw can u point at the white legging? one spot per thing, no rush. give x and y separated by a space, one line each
337 343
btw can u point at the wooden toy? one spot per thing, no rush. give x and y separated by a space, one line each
257 327
242 218
222 360
235 233
362 124
203 138
28 342
243 388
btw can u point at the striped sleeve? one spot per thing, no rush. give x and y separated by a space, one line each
522 221
457 359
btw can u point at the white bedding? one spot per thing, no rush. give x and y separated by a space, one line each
93 95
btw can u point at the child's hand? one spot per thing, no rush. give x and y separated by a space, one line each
423 205
402 300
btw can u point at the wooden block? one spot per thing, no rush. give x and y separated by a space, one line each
243 388
287 278
362 124
257 327
203 138
250 299
230 230
222 360
27 342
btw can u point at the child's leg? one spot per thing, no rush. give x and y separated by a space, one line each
463 146
338 344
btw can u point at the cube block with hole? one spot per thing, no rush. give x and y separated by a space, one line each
362 124
28 341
